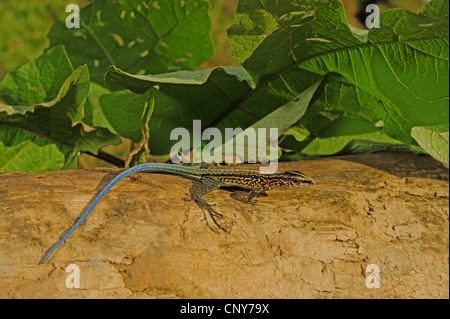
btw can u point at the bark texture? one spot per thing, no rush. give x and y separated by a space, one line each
143 240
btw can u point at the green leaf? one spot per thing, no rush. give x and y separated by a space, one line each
357 146
398 74
35 82
138 36
123 110
300 133
188 95
139 153
434 140
352 136
22 151
290 113
96 91
281 119
49 134
210 95
141 83
255 20
292 45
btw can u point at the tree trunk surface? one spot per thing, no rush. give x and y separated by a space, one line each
373 226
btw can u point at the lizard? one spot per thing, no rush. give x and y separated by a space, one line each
210 179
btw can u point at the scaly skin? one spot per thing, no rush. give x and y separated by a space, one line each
210 179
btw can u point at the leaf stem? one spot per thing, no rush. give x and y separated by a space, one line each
107 158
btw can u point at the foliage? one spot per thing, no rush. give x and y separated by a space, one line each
328 87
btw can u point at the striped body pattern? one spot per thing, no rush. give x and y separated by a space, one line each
254 180
210 179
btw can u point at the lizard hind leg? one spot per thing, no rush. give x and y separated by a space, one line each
212 213
248 197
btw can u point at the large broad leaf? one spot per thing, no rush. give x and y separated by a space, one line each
96 91
255 20
434 140
141 83
147 36
396 75
299 49
139 153
281 120
123 110
208 95
353 135
219 97
49 133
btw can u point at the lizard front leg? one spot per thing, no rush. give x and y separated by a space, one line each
208 184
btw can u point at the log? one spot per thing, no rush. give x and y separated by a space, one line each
373 226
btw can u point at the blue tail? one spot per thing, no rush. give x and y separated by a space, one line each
158 167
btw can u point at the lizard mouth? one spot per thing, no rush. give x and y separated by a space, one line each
298 179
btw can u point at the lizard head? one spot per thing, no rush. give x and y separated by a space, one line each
295 179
